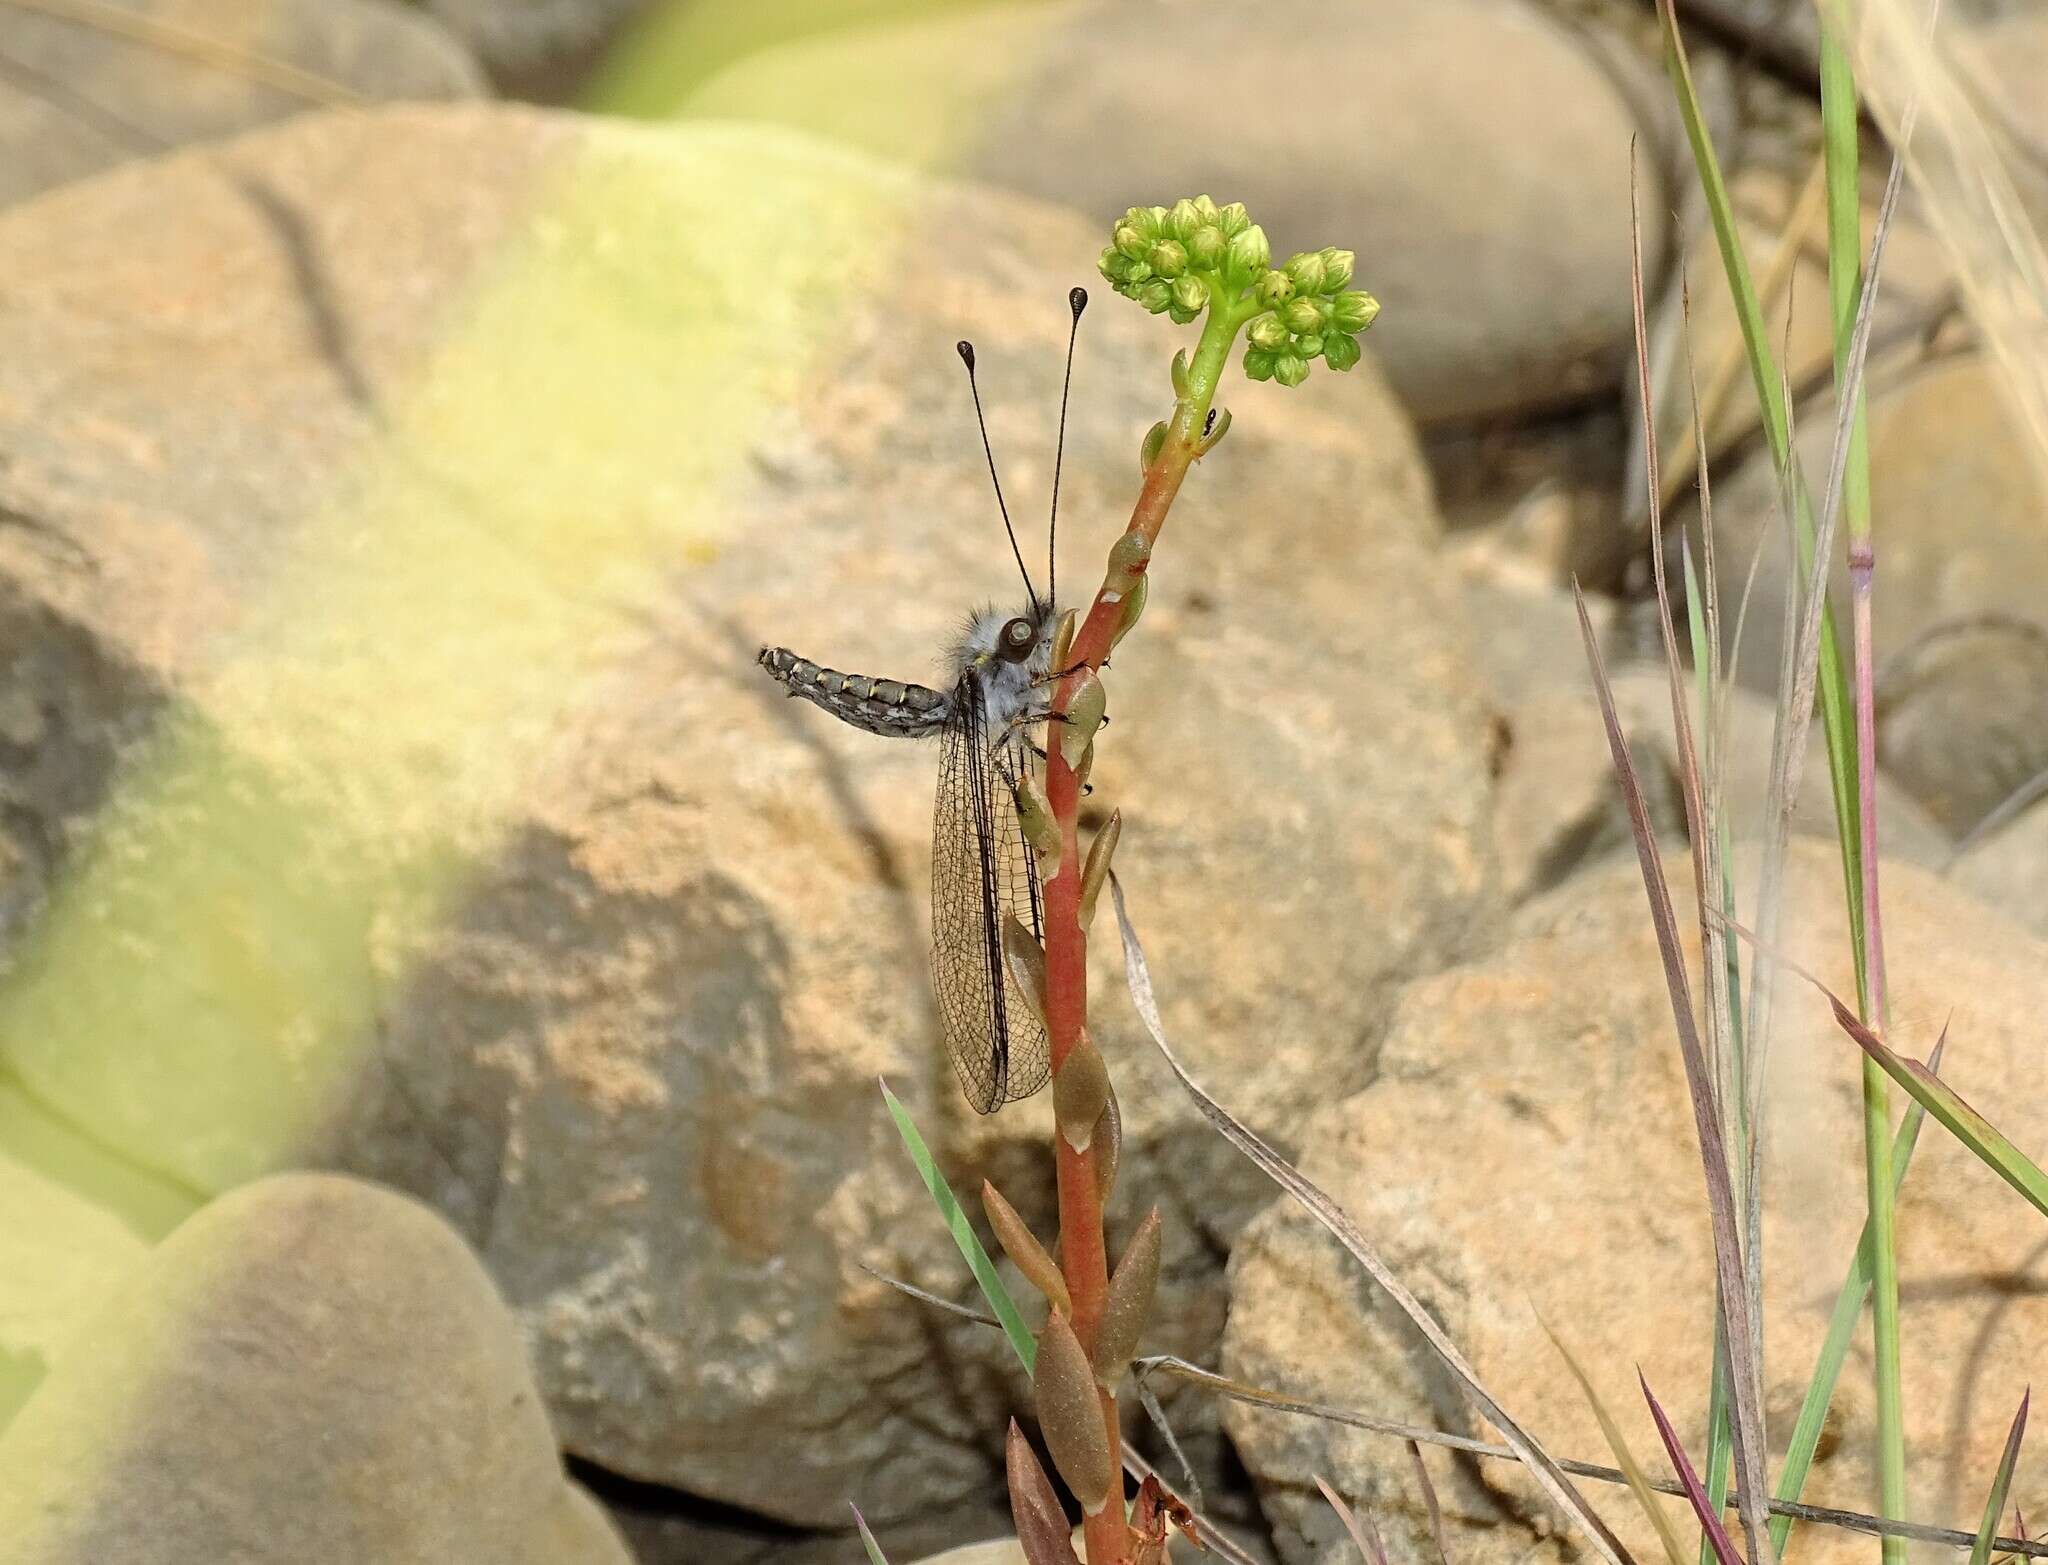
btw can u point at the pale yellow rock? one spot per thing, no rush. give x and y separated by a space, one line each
59 1256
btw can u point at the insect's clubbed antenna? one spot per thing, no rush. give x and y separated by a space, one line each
966 352
1077 301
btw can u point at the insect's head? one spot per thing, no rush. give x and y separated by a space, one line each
1018 639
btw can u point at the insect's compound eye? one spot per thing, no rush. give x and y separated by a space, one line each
1018 638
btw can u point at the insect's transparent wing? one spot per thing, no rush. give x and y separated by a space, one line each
981 869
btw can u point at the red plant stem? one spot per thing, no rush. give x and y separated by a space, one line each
1083 1258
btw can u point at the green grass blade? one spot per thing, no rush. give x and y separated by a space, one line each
1720 1439
1836 711
1957 1117
1994 1507
978 1262
1624 1458
867 1538
1841 132
1834 1348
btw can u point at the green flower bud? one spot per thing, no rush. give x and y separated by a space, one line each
1234 220
1337 265
1353 312
1308 347
1111 265
1155 295
1274 289
1290 369
1184 219
1266 332
1306 268
1302 315
1130 240
1190 295
1136 272
1180 314
1258 363
1169 258
1339 351
1249 253
1206 246
1205 209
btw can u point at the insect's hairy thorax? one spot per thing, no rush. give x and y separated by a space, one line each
1009 688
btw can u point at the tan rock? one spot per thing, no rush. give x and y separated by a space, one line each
311 1368
1956 499
1558 808
1497 243
2008 868
1529 1151
82 97
470 849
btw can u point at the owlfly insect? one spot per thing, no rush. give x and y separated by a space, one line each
983 870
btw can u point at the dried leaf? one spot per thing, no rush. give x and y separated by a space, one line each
1363 1533
1100 850
1724 1546
1083 716
1080 1093
1026 959
1070 1414
1042 1528
1429 1503
1108 1142
1129 1303
1023 1248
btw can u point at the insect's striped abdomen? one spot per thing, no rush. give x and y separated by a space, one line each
881 706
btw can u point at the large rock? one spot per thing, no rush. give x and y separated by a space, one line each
2008 868
79 97
421 775
1962 651
61 1255
540 46
310 1368
1558 808
1528 1155
1497 240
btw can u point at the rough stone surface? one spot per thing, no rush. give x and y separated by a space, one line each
1962 657
1558 808
310 1368
530 43
545 906
59 1256
77 98
2005 60
2008 868
1528 1151
1484 179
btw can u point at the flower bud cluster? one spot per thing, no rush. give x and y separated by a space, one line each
1177 261
1311 311
1169 258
